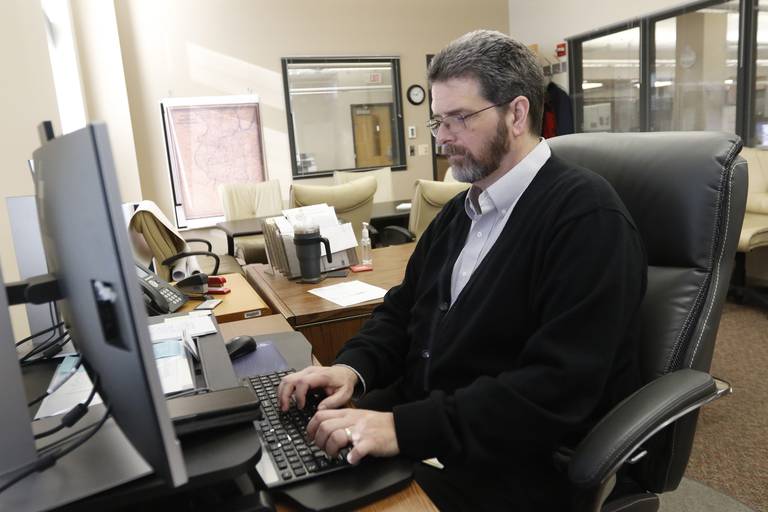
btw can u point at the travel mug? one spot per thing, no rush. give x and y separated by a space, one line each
307 240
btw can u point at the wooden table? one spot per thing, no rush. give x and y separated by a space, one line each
326 325
241 303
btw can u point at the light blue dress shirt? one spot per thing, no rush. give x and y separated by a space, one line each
489 211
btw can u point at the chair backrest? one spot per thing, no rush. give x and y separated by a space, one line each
757 160
383 181
449 175
248 200
152 226
686 192
352 201
428 199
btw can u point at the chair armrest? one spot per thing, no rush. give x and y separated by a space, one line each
202 241
623 431
175 257
395 235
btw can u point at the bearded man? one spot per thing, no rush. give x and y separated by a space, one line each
511 333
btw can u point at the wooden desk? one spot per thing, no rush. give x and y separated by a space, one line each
241 303
326 325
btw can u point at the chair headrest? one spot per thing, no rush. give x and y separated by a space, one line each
668 181
437 193
343 197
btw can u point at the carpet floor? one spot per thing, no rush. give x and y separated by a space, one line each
730 452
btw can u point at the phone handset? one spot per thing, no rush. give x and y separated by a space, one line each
160 297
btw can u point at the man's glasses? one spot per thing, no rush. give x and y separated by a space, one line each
457 122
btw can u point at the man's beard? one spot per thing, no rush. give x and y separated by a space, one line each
470 169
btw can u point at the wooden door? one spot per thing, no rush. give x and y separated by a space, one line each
372 132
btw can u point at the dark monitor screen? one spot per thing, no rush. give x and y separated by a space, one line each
87 250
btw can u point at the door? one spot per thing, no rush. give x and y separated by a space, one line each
372 133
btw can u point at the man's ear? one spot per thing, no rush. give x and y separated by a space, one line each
517 116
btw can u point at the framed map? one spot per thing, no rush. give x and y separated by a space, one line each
210 141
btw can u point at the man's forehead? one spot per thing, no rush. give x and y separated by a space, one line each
455 94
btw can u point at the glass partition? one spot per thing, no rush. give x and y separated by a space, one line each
610 82
695 70
343 114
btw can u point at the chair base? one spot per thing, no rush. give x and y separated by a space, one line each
739 292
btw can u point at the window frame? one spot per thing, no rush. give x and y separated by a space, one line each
398 141
745 74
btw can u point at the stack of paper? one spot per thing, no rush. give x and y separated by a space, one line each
278 239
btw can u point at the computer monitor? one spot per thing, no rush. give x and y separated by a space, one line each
16 443
87 250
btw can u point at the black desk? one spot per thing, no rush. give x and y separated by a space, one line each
242 227
231 452
387 214
384 214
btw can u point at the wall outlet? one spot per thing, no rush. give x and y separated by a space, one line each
423 149
412 150
411 132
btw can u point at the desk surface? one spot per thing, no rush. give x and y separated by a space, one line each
299 307
241 303
410 498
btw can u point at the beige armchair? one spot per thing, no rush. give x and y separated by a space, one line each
246 201
754 231
352 201
428 199
383 181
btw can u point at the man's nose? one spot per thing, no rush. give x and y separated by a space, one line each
444 135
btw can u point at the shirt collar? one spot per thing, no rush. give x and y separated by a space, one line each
505 192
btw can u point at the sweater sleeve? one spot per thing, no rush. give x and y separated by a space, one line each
586 292
378 351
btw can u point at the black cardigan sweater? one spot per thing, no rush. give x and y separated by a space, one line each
536 347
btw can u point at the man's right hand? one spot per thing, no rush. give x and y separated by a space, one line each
338 382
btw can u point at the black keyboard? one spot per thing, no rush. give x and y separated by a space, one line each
284 434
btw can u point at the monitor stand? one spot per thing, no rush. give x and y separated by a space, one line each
103 462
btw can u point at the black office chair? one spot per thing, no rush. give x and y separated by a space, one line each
687 193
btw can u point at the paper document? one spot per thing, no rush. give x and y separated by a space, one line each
349 293
175 373
340 237
74 391
194 324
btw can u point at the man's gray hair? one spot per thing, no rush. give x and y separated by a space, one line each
504 67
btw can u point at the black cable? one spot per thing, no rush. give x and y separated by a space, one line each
33 336
50 459
50 349
58 385
74 414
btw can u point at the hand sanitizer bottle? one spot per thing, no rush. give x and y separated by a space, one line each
365 247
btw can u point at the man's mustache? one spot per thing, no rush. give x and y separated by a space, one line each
449 150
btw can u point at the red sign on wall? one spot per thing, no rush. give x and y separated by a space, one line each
560 49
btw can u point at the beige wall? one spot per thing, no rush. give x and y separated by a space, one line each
548 22
197 47
27 97
104 90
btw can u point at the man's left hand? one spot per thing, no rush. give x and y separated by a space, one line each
369 433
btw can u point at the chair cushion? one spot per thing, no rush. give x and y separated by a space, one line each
754 232
383 181
251 249
757 202
343 198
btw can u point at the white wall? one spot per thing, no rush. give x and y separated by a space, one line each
27 97
104 90
548 22
183 48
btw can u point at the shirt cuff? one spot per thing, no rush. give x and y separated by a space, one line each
360 386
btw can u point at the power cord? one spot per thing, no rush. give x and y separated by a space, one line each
49 349
50 458
40 333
